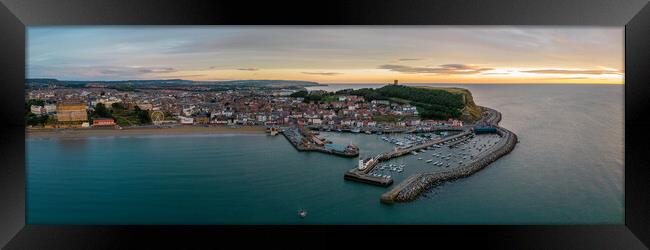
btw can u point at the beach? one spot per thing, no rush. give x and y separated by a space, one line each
100 132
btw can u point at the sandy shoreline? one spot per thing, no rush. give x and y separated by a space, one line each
93 132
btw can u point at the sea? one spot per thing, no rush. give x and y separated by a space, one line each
567 169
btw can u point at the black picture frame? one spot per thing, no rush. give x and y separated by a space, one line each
15 15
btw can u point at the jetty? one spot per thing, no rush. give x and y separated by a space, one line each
360 173
358 130
414 185
436 129
304 140
410 188
377 130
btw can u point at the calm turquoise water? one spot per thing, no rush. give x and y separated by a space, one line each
567 169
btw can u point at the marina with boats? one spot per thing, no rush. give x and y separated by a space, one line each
441 154
364 172
415 184
452 156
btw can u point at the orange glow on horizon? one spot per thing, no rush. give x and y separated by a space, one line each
375 76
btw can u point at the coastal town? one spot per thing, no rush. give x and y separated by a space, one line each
296 115
63 107
321 125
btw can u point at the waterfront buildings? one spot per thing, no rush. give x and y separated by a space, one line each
37 110
187 120
50 108
188 106
71 112
103 122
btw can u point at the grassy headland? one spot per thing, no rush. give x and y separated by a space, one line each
470 110
431 102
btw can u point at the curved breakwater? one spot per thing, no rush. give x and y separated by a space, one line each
361 175
410 188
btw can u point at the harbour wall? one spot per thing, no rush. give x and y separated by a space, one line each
357 176
362 175
410 188
386 131
296 142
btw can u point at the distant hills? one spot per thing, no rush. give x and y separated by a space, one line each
34 82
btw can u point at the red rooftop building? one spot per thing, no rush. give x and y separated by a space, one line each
98 122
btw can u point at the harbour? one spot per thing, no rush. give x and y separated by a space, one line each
410 188
365 166
305 140
192 176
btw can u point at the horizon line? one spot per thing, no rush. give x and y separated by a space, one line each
340 83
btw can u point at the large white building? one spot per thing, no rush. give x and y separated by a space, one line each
107 101
187 120
316 121
37 110
50 108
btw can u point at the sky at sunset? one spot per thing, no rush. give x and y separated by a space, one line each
356 54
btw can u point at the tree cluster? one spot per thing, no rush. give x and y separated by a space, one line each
431 103
121 114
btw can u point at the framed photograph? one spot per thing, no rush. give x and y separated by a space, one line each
518 124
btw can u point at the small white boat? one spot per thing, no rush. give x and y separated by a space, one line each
302 213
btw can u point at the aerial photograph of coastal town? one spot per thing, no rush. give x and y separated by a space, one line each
324 125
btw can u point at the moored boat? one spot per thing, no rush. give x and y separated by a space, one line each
302 213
